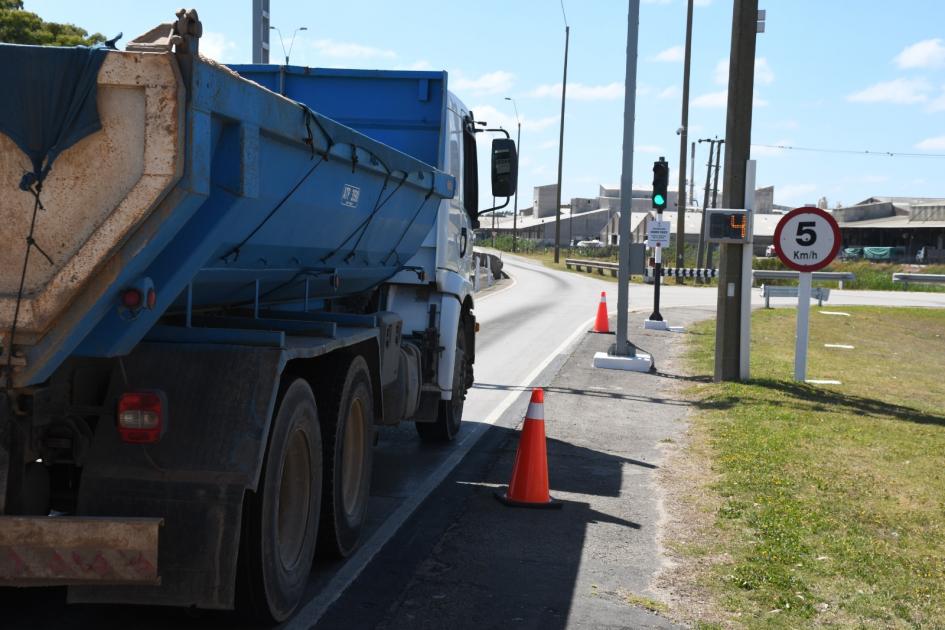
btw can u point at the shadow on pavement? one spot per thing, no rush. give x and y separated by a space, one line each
585 392
464 560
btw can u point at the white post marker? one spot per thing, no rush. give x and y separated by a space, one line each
807 239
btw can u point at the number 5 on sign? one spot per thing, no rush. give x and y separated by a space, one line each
807 239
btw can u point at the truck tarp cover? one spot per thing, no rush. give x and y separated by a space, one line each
54 106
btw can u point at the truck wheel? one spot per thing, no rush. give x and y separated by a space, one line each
280 519
449 415
349 454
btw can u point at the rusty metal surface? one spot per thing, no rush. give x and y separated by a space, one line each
99 191
52 551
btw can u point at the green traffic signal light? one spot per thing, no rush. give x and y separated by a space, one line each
658 200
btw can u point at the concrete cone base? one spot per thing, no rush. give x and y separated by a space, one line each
639 363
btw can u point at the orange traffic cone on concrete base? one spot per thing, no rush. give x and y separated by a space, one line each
529 485
602 324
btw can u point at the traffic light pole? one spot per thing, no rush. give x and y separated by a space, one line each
660 184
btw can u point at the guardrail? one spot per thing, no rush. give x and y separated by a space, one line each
756 274
786 274
591 265
926 278
768 291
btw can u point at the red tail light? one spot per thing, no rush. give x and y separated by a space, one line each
141 417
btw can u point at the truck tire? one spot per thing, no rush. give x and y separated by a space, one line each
449 417
280 519
348 429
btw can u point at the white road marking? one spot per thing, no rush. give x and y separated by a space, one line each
842 346
833 313
309 615
491 293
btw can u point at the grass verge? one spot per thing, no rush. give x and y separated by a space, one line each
832 507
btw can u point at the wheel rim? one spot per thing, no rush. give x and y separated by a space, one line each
295 494
352 468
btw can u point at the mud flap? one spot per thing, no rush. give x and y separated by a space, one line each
55 551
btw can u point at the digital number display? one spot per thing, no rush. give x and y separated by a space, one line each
728 226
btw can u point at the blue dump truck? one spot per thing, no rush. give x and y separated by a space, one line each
216 282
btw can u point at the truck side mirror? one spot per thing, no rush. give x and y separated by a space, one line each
504 167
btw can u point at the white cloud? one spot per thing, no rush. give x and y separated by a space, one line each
929 53
423 64
898 91
764 75
581 92
772 150
932 144
350 50
548 144
670 92
711 99
506 120
794 193
675 53
938 103
489 83
216 46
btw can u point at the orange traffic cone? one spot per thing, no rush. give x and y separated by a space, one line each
529 485
601 324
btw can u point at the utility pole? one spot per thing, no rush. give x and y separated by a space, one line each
745 26
705 203
683 138
564 90
518 147
715 194
692 176
260 31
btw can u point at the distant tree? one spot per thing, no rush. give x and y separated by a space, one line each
18 26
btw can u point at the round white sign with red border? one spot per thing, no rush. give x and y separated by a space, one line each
807 239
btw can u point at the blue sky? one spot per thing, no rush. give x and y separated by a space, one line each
865 75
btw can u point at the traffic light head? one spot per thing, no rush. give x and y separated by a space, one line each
660 182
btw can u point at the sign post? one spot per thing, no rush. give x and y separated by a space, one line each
807 239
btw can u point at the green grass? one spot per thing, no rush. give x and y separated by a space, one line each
832 498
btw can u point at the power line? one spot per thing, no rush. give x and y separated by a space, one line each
852 151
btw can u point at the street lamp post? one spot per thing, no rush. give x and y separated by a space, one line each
291 42
564 91
518 147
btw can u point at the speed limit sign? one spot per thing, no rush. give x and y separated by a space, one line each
807 239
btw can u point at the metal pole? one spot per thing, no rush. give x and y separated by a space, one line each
744 359
737 152
564 90
683 138
715 195
518 144
623 347
803 321
705 203
692 176
718 167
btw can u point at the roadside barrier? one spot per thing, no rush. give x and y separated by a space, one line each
529 484
601 324
682 272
